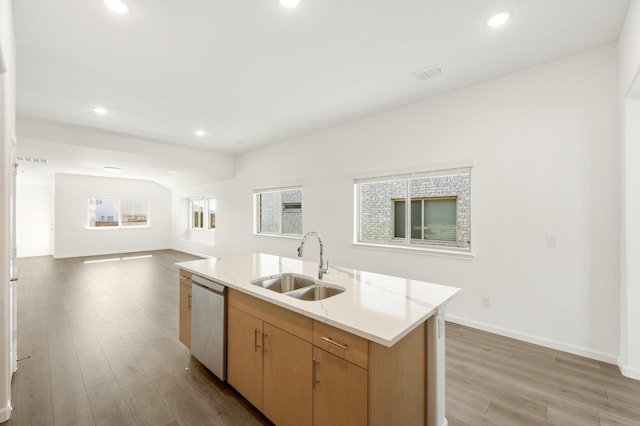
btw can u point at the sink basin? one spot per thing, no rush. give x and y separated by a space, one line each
283 283
315 292
299 286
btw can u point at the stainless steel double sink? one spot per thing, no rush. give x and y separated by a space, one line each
298 286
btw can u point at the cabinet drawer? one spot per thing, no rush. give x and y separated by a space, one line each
185 277
341 343
289 321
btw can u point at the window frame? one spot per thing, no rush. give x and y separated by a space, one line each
407 244
119 201
206 210
285 206
422 222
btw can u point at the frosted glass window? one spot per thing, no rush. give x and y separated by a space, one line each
135 212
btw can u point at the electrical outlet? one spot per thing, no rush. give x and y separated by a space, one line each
551 240
485 302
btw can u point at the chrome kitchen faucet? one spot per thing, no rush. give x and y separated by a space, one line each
322 268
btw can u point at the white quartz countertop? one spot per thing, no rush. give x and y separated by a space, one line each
378 307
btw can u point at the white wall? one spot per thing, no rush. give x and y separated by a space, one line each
72 238
544 143
629 47
7 126
629 53
195 241
34 221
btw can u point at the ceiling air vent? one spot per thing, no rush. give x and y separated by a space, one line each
33 160
427 73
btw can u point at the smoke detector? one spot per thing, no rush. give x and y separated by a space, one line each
427 73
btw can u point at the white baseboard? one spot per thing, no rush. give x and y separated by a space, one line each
5 413
630 372
576 350
108 253
193 253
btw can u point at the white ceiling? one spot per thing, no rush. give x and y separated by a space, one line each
252 73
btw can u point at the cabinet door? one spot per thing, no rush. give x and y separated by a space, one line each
339 391
244 355
287 378
185 314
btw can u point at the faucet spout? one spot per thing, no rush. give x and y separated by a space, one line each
322 268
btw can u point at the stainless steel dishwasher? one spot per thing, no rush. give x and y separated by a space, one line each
208 335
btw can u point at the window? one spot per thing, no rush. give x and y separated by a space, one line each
134 213
212 213
202 212
439 213
197 214
116 213
278 211
432 219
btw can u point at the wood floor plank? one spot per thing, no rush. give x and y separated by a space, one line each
108 405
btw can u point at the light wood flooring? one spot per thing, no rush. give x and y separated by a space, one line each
98 346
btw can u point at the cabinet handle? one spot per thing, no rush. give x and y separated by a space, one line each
255 339
329 340
189 301
264 347
314 374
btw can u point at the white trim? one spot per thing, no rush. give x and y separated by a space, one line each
429 170
631 372
428 251
5 413
193 253
107 253
101 228
548 343
277 189
281 236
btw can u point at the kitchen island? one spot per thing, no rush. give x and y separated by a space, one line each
396 324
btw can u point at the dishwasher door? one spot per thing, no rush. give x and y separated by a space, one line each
208 342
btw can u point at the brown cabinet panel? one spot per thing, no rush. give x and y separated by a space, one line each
341 343
184 333
340 391
287 378
287 320
244 355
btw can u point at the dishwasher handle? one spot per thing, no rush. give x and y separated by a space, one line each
208 284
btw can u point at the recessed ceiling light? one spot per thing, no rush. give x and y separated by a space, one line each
172 172
112 169
499 19
200 133
290 3
100 110
117 6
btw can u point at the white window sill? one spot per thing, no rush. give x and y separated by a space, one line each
428 251
281 236
202 230
104 228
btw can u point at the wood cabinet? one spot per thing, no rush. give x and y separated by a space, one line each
299 371
267 363
339 391
185 308
244 349
287 395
